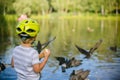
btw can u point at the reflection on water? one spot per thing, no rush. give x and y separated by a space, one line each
104 64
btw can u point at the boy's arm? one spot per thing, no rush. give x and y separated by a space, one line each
38 67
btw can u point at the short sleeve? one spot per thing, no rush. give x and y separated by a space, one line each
35 58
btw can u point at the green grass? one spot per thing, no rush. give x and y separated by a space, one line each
68 16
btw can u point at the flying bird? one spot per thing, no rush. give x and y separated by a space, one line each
40 46
90 52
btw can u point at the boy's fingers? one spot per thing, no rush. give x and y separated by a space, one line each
46 50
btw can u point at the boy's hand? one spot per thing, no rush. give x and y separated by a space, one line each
44 53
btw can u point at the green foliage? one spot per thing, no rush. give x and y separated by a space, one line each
6 6
1 7
30 6
47 6
22 7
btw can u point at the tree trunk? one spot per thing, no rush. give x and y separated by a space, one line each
102 10
116 8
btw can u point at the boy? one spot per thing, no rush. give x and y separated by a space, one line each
25 59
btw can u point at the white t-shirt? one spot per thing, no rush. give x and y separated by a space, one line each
24 59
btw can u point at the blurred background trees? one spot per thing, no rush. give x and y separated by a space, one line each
42 7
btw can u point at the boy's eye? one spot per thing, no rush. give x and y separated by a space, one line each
19 29
30 30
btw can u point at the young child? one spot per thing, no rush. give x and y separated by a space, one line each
25 59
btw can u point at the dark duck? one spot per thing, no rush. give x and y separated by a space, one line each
79 75
113 48
90 52
67 63
2 67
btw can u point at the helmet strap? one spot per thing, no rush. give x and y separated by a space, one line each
33 42
23 38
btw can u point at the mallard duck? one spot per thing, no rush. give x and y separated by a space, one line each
90 52
67 63
2 67
79 74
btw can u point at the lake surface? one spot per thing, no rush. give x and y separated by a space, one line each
104 63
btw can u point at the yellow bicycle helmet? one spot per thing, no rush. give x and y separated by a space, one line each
27 28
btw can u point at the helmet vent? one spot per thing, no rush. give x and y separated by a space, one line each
30 30
26 21
19 29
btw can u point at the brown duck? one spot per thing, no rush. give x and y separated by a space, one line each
79 75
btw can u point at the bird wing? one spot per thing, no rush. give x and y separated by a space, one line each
40 46
78 71
95 46
47 43
82 50
85 74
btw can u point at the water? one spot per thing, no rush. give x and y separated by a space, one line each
103 65
99 70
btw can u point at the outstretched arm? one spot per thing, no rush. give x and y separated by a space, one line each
38 67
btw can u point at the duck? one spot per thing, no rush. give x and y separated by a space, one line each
90 52
2 67
79 74
66 63
113 48
90 29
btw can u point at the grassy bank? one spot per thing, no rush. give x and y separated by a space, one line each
75 16
67 16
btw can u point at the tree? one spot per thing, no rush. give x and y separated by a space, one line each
30 6
6 6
